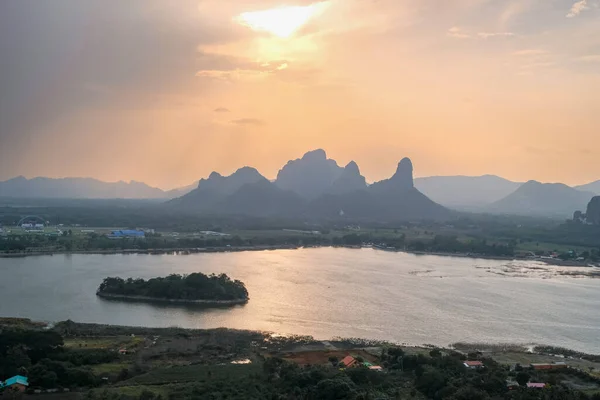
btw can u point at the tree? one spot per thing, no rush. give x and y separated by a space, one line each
333 389
470 393
523 378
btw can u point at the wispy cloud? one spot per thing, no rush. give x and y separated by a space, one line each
248 121
487 35
590 58
530 52
222 110
246 71
578 8
458 33
461 33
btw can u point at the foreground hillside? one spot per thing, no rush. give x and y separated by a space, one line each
110 362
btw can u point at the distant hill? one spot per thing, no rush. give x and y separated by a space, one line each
593 187
466 192
310 176
77 188
217 188
181 191
542 199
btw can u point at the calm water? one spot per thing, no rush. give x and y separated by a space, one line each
326 293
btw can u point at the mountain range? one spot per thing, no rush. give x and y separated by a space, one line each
313 186
316 185
78 188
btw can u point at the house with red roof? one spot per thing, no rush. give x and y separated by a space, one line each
473 364
349 362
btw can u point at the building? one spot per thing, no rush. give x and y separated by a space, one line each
350 362
512 385
533 385
548 366
18 383
125 233
473 364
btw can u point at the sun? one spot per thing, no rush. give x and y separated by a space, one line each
281 21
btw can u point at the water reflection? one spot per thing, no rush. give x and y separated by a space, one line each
327 293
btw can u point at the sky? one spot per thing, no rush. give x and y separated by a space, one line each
167 91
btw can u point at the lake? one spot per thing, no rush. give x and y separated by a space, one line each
328 292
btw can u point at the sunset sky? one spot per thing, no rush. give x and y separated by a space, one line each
166 91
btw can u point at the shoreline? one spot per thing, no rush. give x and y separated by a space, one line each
177 301
197 250
103 330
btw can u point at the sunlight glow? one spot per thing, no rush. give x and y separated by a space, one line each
281 21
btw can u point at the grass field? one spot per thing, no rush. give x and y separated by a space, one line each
114 342
110 368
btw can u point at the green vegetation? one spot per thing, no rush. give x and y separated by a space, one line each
484 235
196 286
41 356
174 364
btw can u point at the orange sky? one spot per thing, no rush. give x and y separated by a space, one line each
165 92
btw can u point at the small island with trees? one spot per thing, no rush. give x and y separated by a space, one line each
193 288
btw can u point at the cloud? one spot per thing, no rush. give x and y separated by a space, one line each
577 8
458 33
590 58
461 33
487 35
248 122
222 110
530 52
244 70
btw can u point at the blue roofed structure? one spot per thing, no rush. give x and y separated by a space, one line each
123 233
15 380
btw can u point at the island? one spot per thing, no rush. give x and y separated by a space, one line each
193 288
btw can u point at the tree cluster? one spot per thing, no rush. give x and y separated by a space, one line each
196 286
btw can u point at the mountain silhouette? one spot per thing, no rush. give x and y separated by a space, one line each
593 211
310 176
217 188
349 181
391 199
321 189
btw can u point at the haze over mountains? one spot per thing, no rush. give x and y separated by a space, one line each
314 185
78 188
543 199
466 192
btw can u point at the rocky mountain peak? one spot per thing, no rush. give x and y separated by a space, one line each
315 155
310 176
593 211
404 173
352 168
